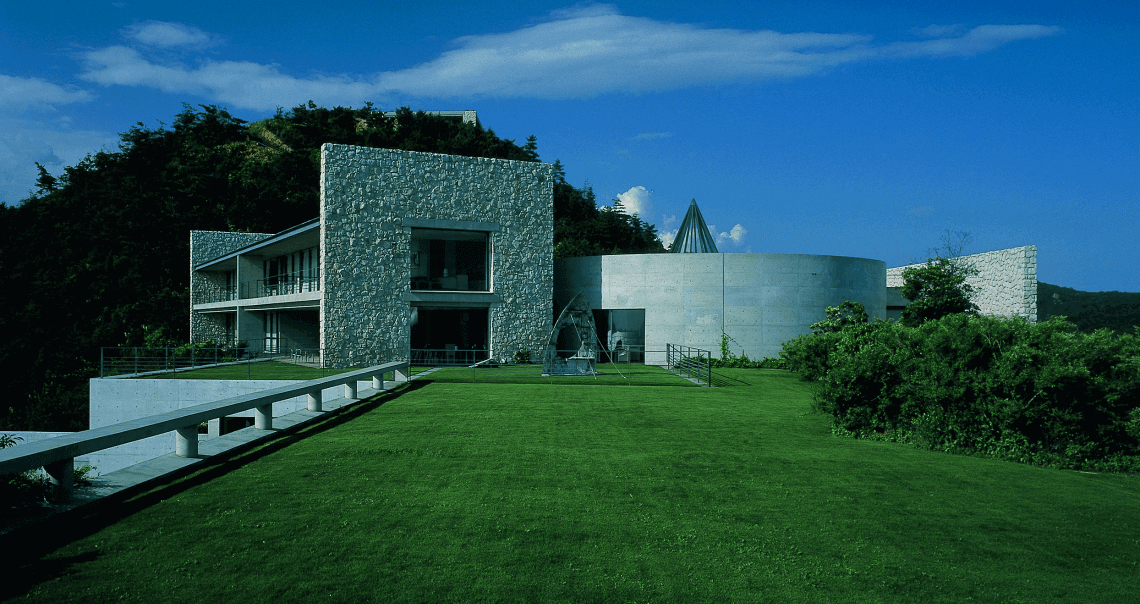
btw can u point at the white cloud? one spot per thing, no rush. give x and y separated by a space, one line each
978 40
668 220
938 31
735 235
20 94
163 34
667 238
240 83
577 53
33 138
636 201
23 143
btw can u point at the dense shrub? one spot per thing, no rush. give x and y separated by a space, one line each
809 354
1036 393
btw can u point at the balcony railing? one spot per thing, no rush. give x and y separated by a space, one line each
216 294
281 285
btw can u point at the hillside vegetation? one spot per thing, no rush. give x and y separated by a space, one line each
1089 311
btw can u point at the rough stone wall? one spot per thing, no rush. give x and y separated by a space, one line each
365 252
1006 283
207 245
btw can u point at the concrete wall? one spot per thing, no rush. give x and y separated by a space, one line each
1006 283
117 400
759 300
207 245
32 436
369 197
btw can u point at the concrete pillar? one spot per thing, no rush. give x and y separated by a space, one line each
350 391
315 401
378 382
251 329
186 441
215 427
263 417
62 476
401 374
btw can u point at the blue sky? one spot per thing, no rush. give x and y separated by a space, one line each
846 128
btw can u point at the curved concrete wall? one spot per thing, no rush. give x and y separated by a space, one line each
759 300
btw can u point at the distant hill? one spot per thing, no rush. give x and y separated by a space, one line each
1118 311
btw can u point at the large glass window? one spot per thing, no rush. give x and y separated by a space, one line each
294 273
450 260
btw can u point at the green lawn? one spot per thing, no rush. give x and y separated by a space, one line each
459 492
262 370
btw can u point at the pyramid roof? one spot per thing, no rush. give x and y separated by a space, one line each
693 237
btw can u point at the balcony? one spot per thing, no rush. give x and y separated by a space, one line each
281 285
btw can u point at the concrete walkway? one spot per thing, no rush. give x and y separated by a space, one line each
140 474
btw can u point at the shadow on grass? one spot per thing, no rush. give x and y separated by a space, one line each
24 548
720 380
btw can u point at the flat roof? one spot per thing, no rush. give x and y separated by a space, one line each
302 228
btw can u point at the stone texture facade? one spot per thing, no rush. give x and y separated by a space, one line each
369 199
207 245
1006 283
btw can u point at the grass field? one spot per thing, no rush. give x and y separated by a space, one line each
262 370
459 492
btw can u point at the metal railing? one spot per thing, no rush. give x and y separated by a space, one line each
443 357
216 294
630 366
281 285
689 362
141 361
57 455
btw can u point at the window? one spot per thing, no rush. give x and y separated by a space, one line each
450 260
291 274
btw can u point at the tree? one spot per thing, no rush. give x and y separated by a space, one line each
838 317
936 289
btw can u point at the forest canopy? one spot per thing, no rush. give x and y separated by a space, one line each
99 256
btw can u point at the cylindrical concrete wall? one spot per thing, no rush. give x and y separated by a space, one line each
759 300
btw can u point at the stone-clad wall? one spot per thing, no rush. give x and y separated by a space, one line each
365 252
207 245
1006 283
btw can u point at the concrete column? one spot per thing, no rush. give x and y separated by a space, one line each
62 476
401 374
186 441
350 391
315 401
251 328
263 417
378 382
215 427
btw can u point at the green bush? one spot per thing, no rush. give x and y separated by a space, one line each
810 354
1036 393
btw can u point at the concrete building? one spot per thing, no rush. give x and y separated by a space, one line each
758 300
410 251
453 256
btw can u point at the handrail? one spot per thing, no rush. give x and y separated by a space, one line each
689 362
57 455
